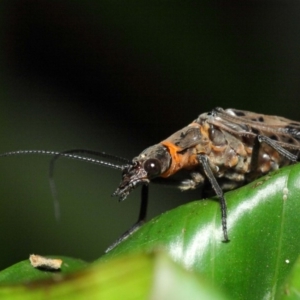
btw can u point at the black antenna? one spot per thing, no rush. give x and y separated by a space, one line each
67 155
72 151
70 154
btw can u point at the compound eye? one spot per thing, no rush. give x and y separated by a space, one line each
152 166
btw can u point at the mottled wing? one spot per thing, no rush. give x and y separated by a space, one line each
271 121
244 123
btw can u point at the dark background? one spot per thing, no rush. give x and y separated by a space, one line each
119 77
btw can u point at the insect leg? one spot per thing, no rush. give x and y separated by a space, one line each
209 174
264 139
277 147
141 219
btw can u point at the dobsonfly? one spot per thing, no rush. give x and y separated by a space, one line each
220 150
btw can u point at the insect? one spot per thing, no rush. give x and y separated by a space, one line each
220 150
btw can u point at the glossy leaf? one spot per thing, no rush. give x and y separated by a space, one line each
264 245
23 271
133 277
291 287
263 223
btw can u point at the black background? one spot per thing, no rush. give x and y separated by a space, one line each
119 77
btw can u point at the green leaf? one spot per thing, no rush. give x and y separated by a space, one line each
291 287
23 271
152 276
263 227
264 246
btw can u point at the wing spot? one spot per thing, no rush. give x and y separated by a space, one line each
239 113
274 137
254 130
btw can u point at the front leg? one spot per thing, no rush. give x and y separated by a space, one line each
141 219
210 176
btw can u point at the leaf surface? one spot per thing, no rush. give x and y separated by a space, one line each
263 227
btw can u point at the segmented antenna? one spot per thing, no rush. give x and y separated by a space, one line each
70 154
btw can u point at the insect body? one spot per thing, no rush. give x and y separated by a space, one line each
220 150
225 148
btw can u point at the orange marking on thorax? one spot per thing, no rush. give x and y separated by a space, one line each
175 163
179 160
184 159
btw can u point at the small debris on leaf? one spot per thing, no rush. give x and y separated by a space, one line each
41 262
